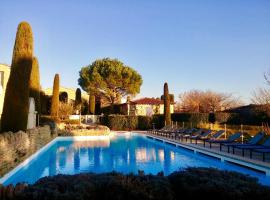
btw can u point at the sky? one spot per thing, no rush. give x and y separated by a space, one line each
220 45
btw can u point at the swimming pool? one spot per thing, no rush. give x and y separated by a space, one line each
124 152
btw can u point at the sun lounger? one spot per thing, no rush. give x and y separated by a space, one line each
230 139
253 141
215 136
262 151
202 136
191 132
265 145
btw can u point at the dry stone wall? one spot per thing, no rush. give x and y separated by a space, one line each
16 147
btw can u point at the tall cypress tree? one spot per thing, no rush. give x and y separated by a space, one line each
92 104
78 98
55 97
167 112
16 103
35 84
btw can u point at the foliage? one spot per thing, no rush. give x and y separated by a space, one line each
65 109
34 84
207 101
45 103
120 122
63 97
84 107
48 120
55 97
167 110
92 104
16 102
210 183
78 98
171 97
144 122
110 79
191 183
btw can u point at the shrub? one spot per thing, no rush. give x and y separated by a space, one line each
205 183
16 102
65 109
144 123
192 183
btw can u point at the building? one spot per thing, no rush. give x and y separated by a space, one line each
71 93
4 76
145 107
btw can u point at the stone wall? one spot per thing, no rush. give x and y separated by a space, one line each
16 147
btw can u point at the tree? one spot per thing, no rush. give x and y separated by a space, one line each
171 97
110 79
92 104
207 101
78 98
167 105
63 97
55 97
65 109
16 103
35 84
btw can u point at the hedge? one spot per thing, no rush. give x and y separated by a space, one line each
124 122
191 183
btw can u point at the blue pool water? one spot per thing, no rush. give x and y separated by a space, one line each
123 153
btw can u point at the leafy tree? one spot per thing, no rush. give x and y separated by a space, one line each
35 84
167 105
110 78
207 101
16 103
55 97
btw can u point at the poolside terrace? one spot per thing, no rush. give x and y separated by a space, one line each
255 163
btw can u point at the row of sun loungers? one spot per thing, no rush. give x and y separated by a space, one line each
258 144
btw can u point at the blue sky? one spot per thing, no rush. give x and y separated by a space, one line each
222 45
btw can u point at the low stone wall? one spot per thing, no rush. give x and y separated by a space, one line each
16 147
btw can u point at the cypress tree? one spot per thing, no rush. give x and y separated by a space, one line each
35 84
55 97
63 97
78 98
167 112
16 103
92 104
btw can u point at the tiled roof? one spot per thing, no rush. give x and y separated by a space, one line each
148 101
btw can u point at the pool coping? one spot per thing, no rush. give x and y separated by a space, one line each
6 176
222 156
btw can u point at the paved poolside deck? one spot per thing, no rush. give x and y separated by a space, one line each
255 163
